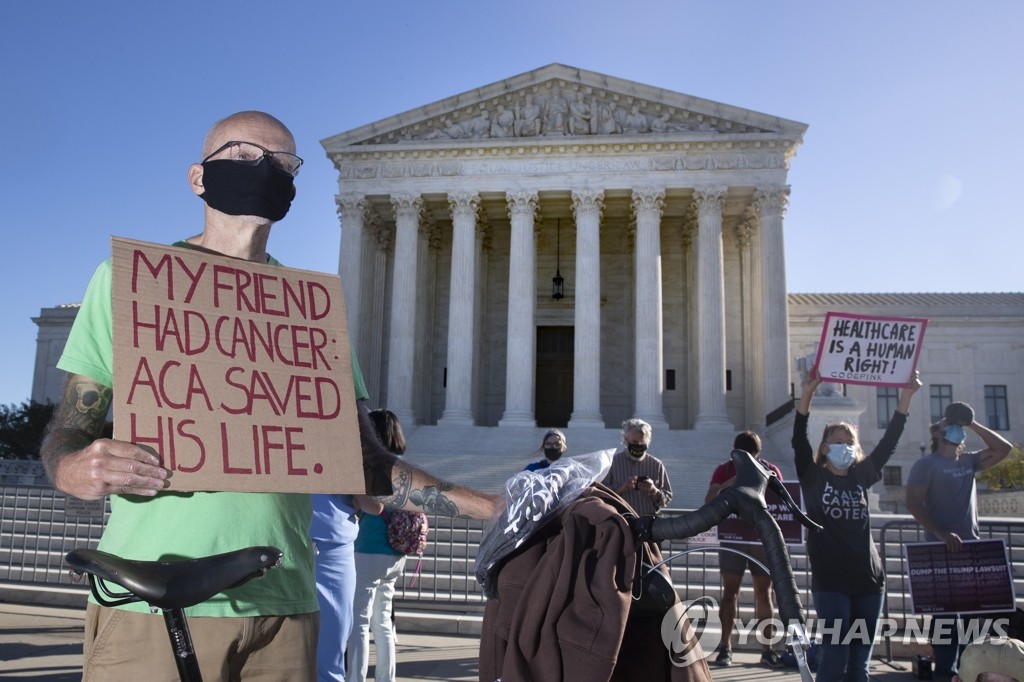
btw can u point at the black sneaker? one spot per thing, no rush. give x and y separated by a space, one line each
724 656
772 660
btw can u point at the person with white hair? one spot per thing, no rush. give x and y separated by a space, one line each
636 475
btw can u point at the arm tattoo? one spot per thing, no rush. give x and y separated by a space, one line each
430 496
401 484
77 420
434 501
84 405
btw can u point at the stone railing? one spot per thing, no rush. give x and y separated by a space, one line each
1001 503
22 472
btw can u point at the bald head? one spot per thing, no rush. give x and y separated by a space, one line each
244 126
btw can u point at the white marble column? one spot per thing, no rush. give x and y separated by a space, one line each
351 213
521 353
586 386
771 203
710 310
749 240
373 305
648 204
458 408
402 340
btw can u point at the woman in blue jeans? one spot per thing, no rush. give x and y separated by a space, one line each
847 576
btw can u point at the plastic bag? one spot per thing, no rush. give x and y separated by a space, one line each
532 498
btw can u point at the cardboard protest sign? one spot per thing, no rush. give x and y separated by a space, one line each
977 579
735 529
237 374
877 351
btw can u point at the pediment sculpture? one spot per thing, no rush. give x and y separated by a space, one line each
561 112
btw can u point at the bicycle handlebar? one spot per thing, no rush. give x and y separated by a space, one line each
746 499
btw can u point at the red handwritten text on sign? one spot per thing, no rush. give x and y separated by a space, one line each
236 373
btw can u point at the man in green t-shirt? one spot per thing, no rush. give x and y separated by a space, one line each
246 180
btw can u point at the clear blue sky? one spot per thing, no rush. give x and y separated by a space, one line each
907 180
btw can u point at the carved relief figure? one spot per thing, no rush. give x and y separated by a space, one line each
556 111
635 122
449 129
579 116
606 123
503 122
660 124
480 125
528 119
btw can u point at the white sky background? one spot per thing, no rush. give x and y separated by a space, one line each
906 181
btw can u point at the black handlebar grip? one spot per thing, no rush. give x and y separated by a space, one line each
746 499
689 524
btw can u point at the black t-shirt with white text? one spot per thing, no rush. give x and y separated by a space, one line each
843 555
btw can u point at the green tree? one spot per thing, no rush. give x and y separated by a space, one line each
1007 474
22 428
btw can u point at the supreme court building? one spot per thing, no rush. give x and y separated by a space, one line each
661 213
662 217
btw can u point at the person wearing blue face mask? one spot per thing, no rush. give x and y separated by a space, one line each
847 575
942 496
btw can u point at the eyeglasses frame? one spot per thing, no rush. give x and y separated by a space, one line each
266 153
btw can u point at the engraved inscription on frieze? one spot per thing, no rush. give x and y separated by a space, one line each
670 163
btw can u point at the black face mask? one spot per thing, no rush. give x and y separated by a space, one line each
637 449
238 189
553 453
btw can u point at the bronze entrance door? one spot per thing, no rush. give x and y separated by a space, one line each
553 404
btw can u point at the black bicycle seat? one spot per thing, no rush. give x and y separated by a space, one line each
175 584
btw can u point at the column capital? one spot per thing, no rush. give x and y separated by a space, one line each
376 227
464 204
772 200
350 205
522 202
709 199
747 226
587 202
483 229
689 227
648 200
407 206
430 231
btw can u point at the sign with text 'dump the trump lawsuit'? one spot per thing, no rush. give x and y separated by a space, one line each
237 374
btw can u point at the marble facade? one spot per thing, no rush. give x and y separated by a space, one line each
663 212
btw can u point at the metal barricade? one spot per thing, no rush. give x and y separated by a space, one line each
39 525
896 531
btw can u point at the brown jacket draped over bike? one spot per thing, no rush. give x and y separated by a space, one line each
563 608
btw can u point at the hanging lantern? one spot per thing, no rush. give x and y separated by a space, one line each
558 282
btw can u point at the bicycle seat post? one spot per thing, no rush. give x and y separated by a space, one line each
170 586
181 642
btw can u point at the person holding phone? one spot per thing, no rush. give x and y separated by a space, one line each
636 475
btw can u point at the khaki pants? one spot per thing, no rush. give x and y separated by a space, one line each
122 645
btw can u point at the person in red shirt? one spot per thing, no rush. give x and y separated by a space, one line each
732 565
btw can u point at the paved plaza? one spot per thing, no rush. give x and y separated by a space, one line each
45 644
